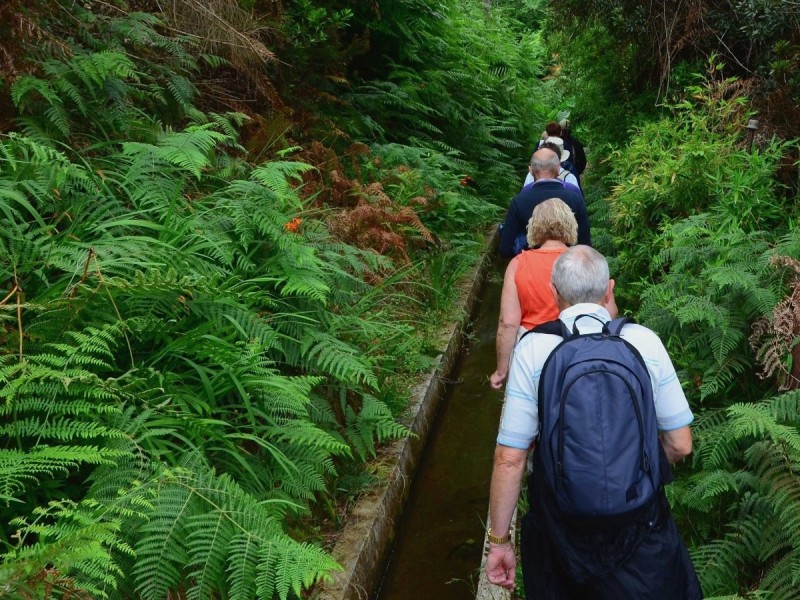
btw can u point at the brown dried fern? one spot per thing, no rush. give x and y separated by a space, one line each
369 218
403 215
774 338
379 224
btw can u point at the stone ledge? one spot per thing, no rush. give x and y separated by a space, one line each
363 546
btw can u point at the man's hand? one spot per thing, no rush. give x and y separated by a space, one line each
497 379
501 565
677 443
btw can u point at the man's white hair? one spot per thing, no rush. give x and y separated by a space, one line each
545 162
581 275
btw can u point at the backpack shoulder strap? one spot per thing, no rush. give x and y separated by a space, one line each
615 326
563 175
556 327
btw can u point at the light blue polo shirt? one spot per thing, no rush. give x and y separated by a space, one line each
519 425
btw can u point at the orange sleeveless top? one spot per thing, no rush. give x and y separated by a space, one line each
533 285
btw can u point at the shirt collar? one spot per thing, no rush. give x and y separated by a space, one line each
587 325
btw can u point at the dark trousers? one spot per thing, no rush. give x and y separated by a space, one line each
643 561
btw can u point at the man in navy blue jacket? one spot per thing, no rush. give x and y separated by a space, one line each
544 167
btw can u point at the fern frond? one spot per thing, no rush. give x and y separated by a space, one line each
277 175
19 468
188 150
322 352
244 561
70 538
182 90
209 539
290 570
27 87
162 549
373 421
755 421
224 525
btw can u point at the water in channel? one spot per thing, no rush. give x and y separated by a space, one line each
437 552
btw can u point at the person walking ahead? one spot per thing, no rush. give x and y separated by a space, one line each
526 300
544 166
578 545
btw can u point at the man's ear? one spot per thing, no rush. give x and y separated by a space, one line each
609 292
611 302
554 291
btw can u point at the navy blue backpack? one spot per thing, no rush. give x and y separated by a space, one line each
598 445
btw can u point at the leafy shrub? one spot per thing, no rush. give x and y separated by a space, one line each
174 327
698 220
191 354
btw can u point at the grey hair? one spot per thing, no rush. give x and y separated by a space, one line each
581 275
545 163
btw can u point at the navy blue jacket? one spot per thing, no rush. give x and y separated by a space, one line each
519 213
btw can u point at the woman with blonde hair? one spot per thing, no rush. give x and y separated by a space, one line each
526 300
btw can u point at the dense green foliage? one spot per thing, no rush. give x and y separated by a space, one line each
700 225
205 334
217 246
711 218
483 111
665 42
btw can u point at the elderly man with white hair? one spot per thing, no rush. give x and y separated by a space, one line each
600 554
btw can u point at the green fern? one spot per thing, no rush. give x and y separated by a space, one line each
188 150
749 458
373 421
74 538
322 351
54 403
278 176
25 91
21 469
210 524
756 421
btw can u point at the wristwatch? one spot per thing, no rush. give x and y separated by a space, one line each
495 539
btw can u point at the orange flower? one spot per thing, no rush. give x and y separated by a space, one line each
293 225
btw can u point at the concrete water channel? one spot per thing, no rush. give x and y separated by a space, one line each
439 538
